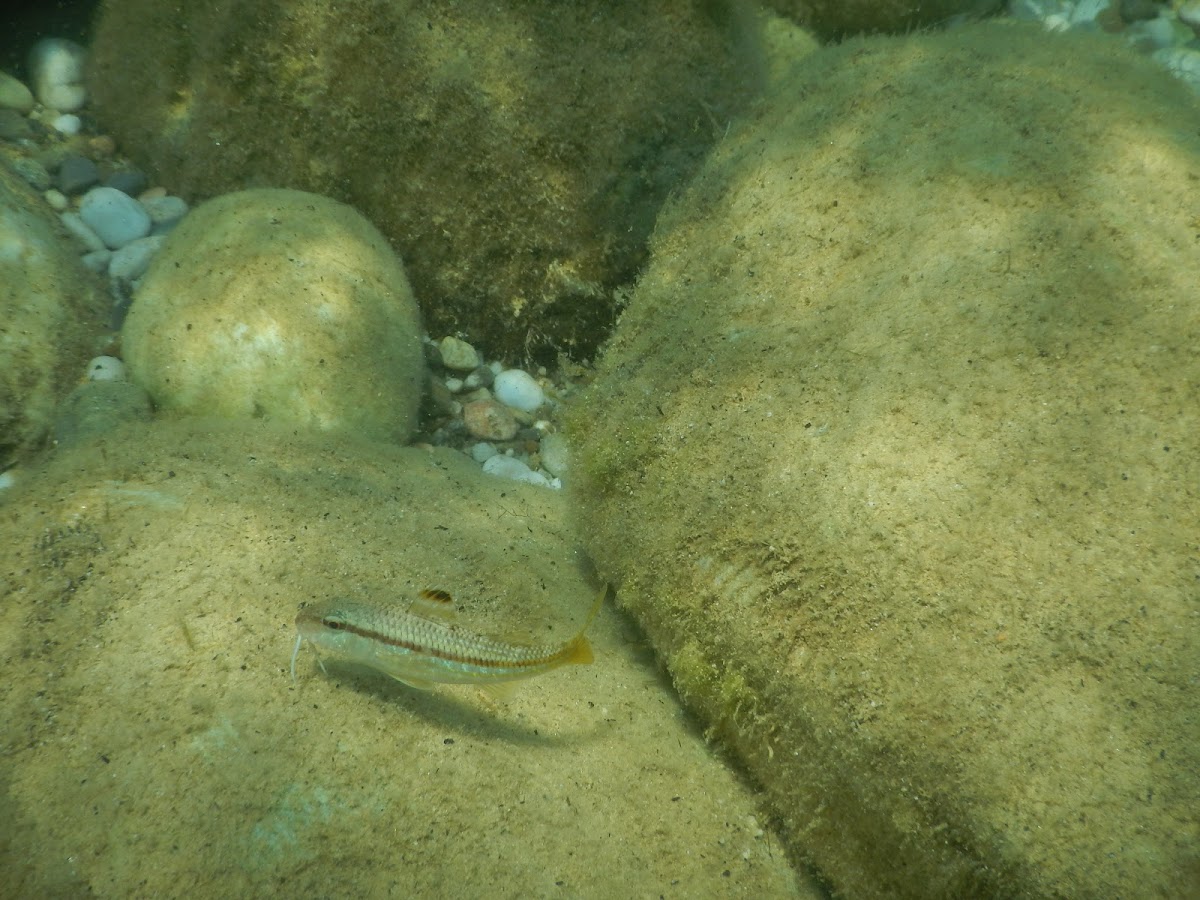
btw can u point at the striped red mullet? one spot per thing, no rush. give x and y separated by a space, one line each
421 646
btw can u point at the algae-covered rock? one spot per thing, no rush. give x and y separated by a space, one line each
51 312
155 745
836 19
283 305
894 454
514 153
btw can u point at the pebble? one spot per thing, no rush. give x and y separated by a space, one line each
77 174
483 451
57 200
14 94
97 260
131 261
115 216
1189 14
554 454
75 224
482 377
56 74
458 355
106 368
518 389
164 211
512 468
128 181
68 124
489 420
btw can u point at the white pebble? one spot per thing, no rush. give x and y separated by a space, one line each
115 216
453 385
67 123
56 74
517 388
513 469
7 479
106 368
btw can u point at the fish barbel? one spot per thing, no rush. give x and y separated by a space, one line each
420 646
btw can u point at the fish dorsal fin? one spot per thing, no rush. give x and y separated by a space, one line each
435 605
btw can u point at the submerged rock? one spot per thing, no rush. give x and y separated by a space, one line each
894 456
281 305
153 738
51 309
515 154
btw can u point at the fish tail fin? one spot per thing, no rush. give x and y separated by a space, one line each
578 652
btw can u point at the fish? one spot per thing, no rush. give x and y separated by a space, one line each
422 646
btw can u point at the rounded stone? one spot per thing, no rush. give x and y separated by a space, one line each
76 174
51 311
893 455
14 94
56 72
284 305
516 183
489 420
457 355
115 216
518 389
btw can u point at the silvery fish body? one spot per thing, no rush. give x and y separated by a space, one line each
420 646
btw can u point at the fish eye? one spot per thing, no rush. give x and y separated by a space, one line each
333 624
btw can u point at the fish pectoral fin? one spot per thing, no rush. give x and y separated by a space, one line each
498 691
415 683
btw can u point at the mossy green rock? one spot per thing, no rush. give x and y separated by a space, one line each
515 154
835 19
52 312
894 454
154 744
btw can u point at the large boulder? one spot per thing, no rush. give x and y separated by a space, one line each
283 305
52 315
894 456
155 745
837 19
515 154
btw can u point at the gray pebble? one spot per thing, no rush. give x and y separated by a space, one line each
77 174
115 216
131 261
165 212
457 354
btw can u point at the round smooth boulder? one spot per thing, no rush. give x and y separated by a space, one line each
284 305
893 455
51 313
